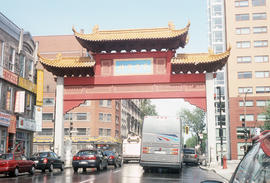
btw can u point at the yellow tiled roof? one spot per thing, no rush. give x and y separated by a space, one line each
132 34
67 62
199 58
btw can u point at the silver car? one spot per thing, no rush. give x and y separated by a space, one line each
190 156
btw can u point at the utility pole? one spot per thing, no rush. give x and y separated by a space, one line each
220 126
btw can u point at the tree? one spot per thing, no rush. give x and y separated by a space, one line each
267 118
147 108
195 120
191 142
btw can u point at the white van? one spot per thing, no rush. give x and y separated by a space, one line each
161 143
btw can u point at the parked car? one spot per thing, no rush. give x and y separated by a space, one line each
91 158
48 160
15 163
255 165
114 158
190 156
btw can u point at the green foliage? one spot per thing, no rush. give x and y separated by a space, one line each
191 142
267 118
147 108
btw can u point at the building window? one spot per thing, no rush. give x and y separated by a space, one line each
217 10
249 117
224 134
258 2
46 132
105 103
241 17
217 23
241 133
261 59
30 70
104 132
259 16
1 52
48 101
262 89
22 66
105 117
47 116
261 29
262 103
243 30
243 44
243 59
81 116
243 3
249 103
244 75
11 59
68 116
242 90
260 43
81 131
262 74
217 36
222 118
261 117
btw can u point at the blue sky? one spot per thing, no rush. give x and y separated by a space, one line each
56 17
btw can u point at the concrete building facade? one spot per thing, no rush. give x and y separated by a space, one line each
247 26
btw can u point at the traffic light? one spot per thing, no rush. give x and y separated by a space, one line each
243 122
186 130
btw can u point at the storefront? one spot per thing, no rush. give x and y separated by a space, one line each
4 124
24 134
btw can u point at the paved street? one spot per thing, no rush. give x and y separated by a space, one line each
129 173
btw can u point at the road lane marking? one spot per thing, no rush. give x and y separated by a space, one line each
116 171
88 180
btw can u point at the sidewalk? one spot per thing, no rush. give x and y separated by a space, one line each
218 169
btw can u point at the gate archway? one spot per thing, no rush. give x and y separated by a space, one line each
136 63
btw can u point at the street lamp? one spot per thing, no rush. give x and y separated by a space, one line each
220 126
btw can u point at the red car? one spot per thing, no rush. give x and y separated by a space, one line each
15 163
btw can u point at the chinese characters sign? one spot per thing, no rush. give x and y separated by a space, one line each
133 66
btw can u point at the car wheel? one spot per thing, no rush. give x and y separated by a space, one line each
43 170
84 169
51 168
32 170
75 169
62 167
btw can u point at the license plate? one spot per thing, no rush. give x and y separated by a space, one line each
36 161
83 162
160 152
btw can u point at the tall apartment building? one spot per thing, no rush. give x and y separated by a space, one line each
217 42
17 87
247 26
95 122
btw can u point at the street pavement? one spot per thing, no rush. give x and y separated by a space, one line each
218 169
128 173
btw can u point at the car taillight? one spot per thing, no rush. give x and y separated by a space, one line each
196 156
174 151
111 157
145 150
3 164
91 158
45 160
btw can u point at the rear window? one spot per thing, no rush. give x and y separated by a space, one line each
42 155
6 156
109 153
86 153
189 151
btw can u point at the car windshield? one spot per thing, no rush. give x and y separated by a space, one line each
109 153
189 151
86 153
6 157
42 155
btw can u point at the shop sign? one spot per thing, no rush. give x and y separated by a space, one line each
28 85
27 124
10 76
139 66
38 118
12 126
40 76
4 119
19 102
